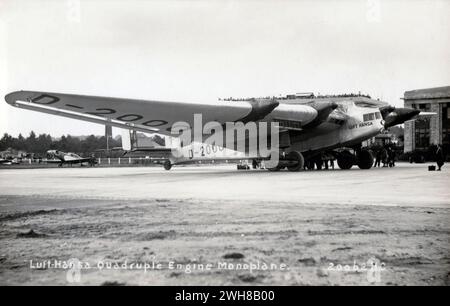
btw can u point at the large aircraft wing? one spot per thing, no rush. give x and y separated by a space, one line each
427 114
140 115
151 116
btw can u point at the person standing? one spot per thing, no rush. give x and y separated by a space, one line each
392 156
378 159
385 157
440 157
389 158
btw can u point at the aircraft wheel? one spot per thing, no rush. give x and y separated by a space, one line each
365 159
297 156
345 160
167 165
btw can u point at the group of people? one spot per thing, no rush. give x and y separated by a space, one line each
385 155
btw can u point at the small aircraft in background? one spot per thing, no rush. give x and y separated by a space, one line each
62 158
9 161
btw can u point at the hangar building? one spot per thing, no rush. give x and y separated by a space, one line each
428 130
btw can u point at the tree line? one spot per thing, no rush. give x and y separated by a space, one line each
44 142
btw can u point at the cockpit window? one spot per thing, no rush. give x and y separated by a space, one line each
371 116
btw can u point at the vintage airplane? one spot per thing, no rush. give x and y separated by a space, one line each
308 126
8 161
62 158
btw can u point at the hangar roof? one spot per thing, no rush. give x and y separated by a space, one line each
428 93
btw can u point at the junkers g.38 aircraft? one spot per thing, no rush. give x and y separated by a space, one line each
308 125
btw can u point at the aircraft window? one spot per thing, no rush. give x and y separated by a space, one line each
378 115
369 117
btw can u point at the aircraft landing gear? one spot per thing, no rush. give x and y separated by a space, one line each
298 159
293 161
363 159
345 160
167 165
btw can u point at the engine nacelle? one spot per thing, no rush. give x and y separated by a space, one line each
399 116
293 116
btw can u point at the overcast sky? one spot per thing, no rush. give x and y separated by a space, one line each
202 50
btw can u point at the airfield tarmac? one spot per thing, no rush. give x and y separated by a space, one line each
190 218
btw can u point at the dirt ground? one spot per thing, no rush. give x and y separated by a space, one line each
148 239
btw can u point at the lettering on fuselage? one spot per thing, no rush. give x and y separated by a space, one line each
360 125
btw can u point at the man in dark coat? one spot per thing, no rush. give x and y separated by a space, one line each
378 158
384 157
392 156
440 157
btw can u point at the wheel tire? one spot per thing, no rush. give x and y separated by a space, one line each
345 160
365 159
297 156
167 165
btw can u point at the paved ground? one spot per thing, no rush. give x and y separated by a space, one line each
301 225
410 185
